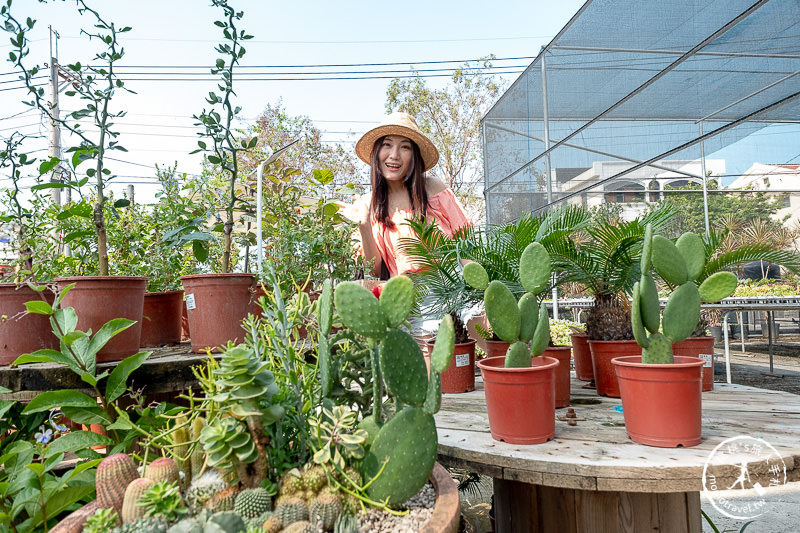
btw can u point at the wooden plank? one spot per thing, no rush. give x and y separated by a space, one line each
673 513
516 507
556 510
637 512
596 511
695 519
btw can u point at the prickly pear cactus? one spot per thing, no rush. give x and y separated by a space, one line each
680 265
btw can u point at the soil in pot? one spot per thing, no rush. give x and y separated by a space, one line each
662 404
520 401
602 353
20 333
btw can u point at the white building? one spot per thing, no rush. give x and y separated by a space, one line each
764 177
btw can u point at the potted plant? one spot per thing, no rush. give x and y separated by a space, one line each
560 348
96 298
605 263
519 387
661 392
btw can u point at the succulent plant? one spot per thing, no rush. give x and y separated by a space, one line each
679 264
202 489
251 503
101 521
325 509
524 323
114 473
142 525
222 522
130 508
396 464
163 469
162 498
289 510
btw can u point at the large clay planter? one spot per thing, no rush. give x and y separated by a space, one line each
662 404
22 334
563 354
583 357
602 353
216 305
694 347
496 348
162 318
98 299
520 401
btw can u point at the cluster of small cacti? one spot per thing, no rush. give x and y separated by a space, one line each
679 264
401 450
524 323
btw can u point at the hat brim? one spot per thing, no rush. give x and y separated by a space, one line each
429 153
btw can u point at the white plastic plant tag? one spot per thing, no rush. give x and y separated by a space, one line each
190 301
462 359
708 358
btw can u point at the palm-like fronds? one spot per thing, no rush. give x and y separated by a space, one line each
722 258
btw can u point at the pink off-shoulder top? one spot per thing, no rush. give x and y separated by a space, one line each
443 207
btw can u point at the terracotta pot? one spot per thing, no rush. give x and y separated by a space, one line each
98 299
662 404
216 305
602 353
162 318
583 357
496 348
520 401
447 509
702 347
22 334
460 375
563 354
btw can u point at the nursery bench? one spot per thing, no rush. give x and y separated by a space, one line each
167 373
593 478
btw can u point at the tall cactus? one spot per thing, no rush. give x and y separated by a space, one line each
403 451
679 264
524 323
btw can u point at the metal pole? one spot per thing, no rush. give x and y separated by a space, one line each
259 228
55 131
549 184
705 179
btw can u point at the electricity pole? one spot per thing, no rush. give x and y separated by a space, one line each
55 130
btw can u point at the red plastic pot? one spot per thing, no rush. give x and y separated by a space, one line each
497 348
662 404
216 305
20 333
460 375
602 353
693 347
162 318
98 299
563 354
583 357
520 401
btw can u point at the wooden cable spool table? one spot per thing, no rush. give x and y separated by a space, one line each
593 478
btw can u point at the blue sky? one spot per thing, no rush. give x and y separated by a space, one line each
171 33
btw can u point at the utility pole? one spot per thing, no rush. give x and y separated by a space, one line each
55 129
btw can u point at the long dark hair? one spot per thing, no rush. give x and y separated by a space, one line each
414 183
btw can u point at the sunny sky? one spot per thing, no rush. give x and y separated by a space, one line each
296 37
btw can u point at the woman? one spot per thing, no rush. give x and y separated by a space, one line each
399 154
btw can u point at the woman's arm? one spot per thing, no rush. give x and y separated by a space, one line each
370 248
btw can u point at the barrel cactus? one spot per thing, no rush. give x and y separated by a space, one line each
679 264
524 324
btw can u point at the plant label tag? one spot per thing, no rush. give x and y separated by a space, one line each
708 358
462 359
190 301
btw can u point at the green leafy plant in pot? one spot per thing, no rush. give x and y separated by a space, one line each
520 380
661 393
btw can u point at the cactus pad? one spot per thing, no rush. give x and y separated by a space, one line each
648 303
535 268
325 304
647 249
360 310
518 356
408 445
476 276
397 299
668 261
682 312
443 348
693 251
528 316
502 311
639 331
659 350
718 286
541 338
403 367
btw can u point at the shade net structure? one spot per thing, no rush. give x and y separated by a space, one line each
632 98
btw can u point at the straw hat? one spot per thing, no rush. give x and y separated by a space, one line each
398 124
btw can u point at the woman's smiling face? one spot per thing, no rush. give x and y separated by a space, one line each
395 157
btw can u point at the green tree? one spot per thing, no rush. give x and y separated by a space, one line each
451 118
724 210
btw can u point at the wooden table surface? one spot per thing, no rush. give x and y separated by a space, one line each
597 455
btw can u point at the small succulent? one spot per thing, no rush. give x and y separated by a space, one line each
337 436
163 499
101 521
